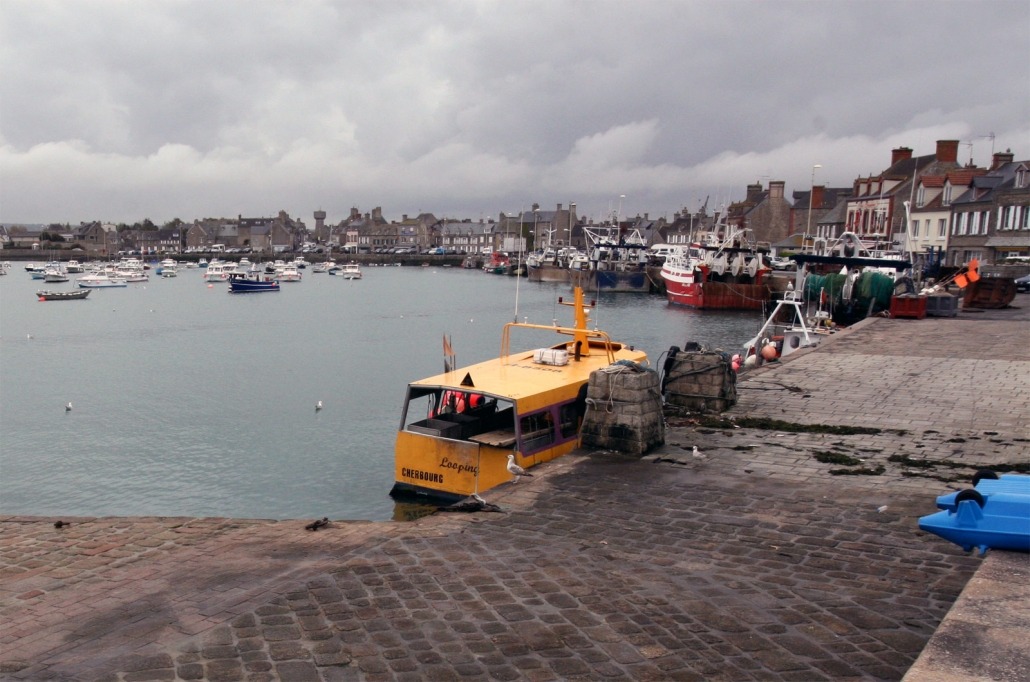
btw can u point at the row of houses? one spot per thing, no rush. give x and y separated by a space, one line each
932 206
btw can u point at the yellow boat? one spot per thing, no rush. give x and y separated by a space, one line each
458 428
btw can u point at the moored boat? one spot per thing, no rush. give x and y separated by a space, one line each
616 261
99 281
54 274
458 428
73 295
729 275
289 273
349 271
251 282
168 268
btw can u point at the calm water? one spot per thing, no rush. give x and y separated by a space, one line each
188 401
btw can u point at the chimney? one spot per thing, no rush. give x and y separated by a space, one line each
1001 158
559 207
900 154
817 196
753 190
776 189
947 151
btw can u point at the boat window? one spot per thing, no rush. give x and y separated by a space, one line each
568 420
537 431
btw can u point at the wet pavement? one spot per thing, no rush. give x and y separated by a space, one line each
753 561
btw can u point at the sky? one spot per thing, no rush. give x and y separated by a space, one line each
124 110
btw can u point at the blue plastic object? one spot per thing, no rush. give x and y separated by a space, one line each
995 514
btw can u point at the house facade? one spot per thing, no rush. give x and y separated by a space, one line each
876 211
990 220
766 212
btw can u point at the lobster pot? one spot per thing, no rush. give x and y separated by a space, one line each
624 410
702 381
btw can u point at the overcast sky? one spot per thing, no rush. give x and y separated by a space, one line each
120 111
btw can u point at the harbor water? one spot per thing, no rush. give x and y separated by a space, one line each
189 401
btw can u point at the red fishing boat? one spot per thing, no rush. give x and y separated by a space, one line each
729 275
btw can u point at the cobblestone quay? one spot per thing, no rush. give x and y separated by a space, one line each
779 553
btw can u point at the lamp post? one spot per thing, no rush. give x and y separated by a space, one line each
567 230
811 192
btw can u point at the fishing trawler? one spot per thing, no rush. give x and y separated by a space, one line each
458 428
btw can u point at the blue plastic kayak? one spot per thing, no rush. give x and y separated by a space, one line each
995 514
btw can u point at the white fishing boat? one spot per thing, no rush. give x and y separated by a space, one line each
168 268
289 273
99 281
218 271
349 271
54 273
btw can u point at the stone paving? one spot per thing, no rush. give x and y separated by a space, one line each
754 561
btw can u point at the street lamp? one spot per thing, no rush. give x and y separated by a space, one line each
567 231
811 192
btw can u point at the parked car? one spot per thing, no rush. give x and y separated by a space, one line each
1023 284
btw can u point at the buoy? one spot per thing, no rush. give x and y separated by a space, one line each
769 352
750 361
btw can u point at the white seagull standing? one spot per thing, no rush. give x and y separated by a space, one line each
68 407
697 453
515 470
318 406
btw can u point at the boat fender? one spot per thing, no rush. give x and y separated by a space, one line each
735 362
769 352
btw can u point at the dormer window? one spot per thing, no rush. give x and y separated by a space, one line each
1022 178
921 197
946 197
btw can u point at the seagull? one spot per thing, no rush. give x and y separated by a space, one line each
697 453
515 470
318 406
68 407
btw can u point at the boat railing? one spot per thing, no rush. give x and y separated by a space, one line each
593 338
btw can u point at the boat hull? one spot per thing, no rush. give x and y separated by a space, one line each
615 281
698 288
74 295
237 287
547 273
105 283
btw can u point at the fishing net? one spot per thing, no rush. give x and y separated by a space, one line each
874 286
